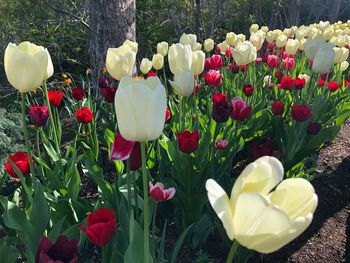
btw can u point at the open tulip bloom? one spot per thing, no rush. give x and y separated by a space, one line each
259 217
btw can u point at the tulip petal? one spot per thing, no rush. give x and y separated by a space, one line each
296 197
261 176
121 148
221 205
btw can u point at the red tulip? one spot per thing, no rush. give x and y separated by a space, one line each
103 83
123 149
63 251
213 78
259 60
288 63
248 90
299 83
21 160
313 128
333 86
188 141
277 107
221 144
272 61
167 114
270 45
321 83
78 93
152 74
38 115
159 194
286 83
108 94
55 97
262 149
301 112
278 74
84 115
213 62
228 52
240 109
221 112
101 226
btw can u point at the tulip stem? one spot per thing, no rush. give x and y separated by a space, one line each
135 195
154 227
25 131
232 252
145 204
128 178
38 149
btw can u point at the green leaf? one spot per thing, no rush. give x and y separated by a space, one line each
178 245
8 254
39 216
56 230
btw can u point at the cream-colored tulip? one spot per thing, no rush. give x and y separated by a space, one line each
208 44
120 61
145 65
287 32
259 217
183 83
292 46
231 39
140 108
302 43
304 76
257 39
270 36
267 80
197 46
327 34
132 45
265 29
27 65
198 58
162 48
240 38
311 47
180 58
244 53
344 66
340 41
157 61
223 46
300 34
254 28
294 29
188 39
324 58
281 41
341 54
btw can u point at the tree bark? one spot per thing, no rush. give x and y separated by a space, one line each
197 23
111 22
334 11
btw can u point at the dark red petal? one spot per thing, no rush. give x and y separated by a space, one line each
121 148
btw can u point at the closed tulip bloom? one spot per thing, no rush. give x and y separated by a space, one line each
240 109
288 63
231 39
324 58
145 65
55 97
277 108
292 46
159 194
222 47
157 61
340 54
183 83
120 61
208 44
108 94
327 34
270 37
333 86
264 29
198 58
197 46
140 108
313 128
132 45
213 78
180 58
257 39
259 215
101 226
299 83
311 47
221 144
244 53
188 141
63 251
188 39
221 111
301 112
248 90
162 48
38 115
214 62
286 83
301 44
84 115
343 66
21 160
272 61
281 41
254 28
103 82
78 93
27 65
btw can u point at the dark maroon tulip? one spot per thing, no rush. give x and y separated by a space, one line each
221 112
240 109
103 83
38 115
301 112
277 107
188 141
313 128
78 93
108 94
262 149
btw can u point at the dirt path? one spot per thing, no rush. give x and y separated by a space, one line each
327 240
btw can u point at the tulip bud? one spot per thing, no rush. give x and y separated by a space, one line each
103 82
272 61
221 112
270 37
223 46
188 39
265 29
38 115
162 48
197 46
145 65
343 66
281 41
244 53
108 94
324 58
301 112
188 141
132 45
213 78
84 115
257 39
231 39
180 58
120 61
208 44
183 83
221 144
140 108
21 160
254 28
198 58
157 61
277 108
292 46
240 109
27 66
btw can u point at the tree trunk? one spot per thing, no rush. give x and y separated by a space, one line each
293 10
111 22
197 16
334 11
